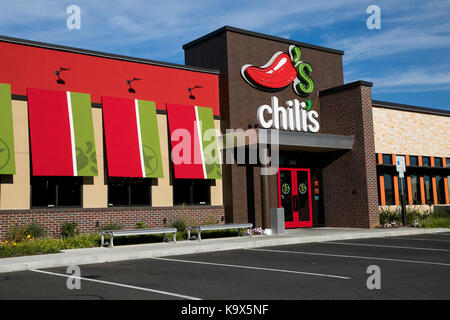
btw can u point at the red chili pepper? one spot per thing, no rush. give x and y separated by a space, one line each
276 74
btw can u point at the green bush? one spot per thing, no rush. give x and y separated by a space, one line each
19 233
111 226
69 229
141 225
179 224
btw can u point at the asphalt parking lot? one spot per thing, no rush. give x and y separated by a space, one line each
411 267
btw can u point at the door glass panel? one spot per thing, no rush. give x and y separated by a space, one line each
303 195
286 194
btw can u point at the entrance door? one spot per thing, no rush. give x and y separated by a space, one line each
294 195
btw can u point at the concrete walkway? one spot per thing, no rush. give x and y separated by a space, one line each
153 250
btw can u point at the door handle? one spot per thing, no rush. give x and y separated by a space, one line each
296 200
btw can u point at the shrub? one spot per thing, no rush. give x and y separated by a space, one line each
20 233
179 224
111 226
141 225
35 230
69 229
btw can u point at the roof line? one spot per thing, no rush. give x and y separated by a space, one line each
104 54
260 35
406 107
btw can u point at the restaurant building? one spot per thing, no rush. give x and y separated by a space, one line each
101 139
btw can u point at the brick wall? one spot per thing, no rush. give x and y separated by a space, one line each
350 181
87 219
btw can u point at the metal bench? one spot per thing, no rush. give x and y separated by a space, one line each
238 226
136 232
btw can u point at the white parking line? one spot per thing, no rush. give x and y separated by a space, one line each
352 257
119 285
256 268
384 246
420 239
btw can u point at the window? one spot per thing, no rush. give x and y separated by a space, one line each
191 192
428 190
56 191
415 190
438 162
440 188
447 160
389 189
129 192
413 161
426 161
387 158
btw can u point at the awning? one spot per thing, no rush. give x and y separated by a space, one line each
195 154
7 158
61 133
132 138
287 140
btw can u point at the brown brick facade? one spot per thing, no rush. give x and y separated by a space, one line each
350 181
88 219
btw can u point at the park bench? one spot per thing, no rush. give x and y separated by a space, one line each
239 226
120 233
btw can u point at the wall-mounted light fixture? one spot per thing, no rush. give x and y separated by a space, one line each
58 73
191 96
131 89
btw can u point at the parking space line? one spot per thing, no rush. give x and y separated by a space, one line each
256 268
420 239
119 285
352 257
385 246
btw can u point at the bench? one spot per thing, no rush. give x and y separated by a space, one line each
238 226
136 232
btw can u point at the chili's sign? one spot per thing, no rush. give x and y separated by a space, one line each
280 71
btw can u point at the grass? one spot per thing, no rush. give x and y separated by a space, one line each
45 246
33 246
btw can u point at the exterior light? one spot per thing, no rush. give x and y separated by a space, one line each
58 73
131 89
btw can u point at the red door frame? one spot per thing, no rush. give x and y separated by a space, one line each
296 223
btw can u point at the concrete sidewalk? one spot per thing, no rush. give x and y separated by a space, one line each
153 250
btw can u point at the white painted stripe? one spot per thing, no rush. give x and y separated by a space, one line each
72 135
141 150
120 285
352 257
200 139
420 239
383 246
256 268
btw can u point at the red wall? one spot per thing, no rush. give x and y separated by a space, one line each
25 67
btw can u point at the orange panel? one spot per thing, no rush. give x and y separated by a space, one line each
433 183
382 191
396 194
408 183
422 187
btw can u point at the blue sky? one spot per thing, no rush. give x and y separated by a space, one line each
408 59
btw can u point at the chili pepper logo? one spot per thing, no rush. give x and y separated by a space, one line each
281 70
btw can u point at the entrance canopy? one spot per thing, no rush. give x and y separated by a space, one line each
288 140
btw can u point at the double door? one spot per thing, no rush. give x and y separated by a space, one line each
294 195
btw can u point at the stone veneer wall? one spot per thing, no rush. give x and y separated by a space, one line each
412 133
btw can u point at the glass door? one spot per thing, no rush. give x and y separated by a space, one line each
294 195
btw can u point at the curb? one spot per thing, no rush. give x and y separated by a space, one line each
146 251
